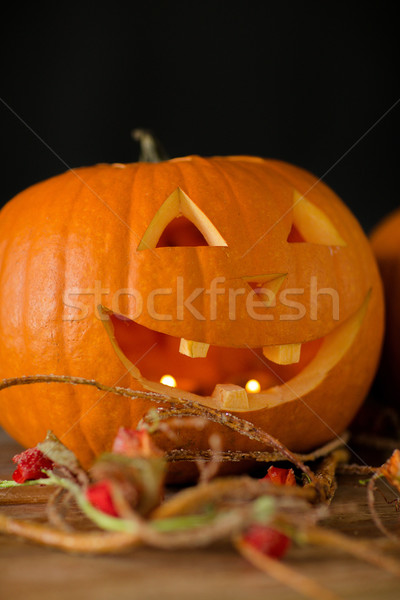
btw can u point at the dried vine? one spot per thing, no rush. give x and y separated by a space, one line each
212 510
191 408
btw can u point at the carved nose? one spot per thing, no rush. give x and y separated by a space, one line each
266 286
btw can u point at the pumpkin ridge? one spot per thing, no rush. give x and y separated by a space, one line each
232 190
205 167
131 242
181 169
65 257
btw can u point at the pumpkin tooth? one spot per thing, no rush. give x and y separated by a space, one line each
231 396
193 349
284 354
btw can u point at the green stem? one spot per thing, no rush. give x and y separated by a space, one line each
98 517
151 149
183 522
9 483
263 509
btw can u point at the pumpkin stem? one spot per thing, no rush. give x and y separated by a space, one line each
151 149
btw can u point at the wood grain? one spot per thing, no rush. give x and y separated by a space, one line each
30 572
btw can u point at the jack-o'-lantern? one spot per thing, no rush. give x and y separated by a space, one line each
246 281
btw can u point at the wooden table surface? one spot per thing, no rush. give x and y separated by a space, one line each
31 572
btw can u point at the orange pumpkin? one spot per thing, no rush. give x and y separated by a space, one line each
223 271
385 241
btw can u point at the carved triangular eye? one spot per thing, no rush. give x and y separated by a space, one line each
177 204
310 224
181 232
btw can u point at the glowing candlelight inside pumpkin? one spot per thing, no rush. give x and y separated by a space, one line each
253 386
168 380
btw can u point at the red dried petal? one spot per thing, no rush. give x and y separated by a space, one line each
99 495
134 442
18 475
31 463
267 540
280 476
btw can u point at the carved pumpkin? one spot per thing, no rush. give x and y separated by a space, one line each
222 275
385 241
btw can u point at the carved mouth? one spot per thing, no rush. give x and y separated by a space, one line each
236 379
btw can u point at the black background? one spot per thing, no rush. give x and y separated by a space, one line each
299 81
